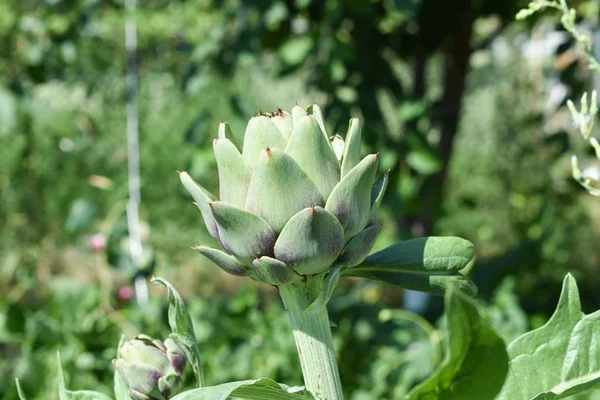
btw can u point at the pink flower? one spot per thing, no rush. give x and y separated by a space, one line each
125 293
98 242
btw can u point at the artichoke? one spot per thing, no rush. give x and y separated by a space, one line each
293 202
151 368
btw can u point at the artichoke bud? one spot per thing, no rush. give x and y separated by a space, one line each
293 201
151 368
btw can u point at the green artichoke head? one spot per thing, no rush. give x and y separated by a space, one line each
151 368
293 201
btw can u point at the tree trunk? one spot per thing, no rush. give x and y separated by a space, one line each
457 57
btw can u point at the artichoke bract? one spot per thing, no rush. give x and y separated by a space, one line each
151 368
293 201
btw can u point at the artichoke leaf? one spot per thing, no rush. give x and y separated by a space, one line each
234 173
359 246
314 154
350 200
143 378
225 132
226 262
298 112
337 143
377 193
261 133
279 189
351 156
316 112
272 271
310 242
284 122
242 233
329 284
120 384
201 197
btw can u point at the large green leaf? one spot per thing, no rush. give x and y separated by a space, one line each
182 328
425 254
263 388
433 283
428 264
559 359
476 361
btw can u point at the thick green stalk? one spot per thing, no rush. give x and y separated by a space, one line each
312 333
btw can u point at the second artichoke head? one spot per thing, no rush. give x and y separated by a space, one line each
151 369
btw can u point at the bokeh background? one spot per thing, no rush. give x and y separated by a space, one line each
465 105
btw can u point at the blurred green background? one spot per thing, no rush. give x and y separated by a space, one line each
464 105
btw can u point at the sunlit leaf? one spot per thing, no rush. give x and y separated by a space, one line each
559 359
263 388
427 264
476 362
183 330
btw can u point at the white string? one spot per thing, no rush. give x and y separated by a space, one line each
133 151
596 52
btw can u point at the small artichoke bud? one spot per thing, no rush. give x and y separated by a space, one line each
151 368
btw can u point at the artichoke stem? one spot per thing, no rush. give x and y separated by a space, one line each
314 342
